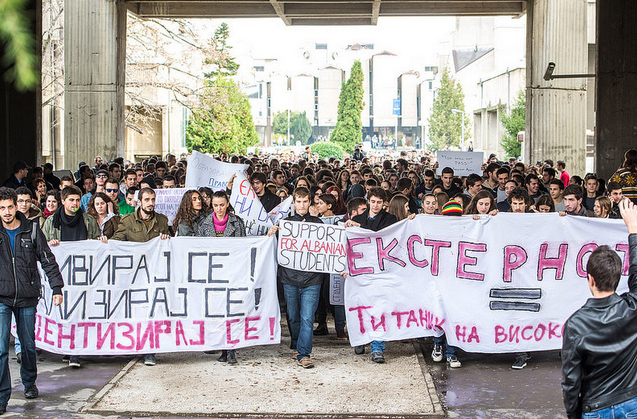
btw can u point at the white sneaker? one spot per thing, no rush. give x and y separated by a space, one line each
436 354
453 362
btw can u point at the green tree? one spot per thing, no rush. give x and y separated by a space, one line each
327 149
18 45
349 126
446 126
222 63
223 120
514 122
300 126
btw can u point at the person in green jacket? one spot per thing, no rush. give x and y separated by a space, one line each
112 190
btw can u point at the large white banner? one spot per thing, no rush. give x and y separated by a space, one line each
181 294
207 171
312 247
505 283
463 163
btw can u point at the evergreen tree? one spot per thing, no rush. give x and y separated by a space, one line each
222 121
514 122
223 64
445 127
300 126
349 126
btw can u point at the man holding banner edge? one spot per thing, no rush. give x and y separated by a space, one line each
301 289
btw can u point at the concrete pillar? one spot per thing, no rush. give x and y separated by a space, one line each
94 63
556 109
616 95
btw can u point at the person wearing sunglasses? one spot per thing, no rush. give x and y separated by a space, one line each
112 190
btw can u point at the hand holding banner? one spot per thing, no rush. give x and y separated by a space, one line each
212 173
312 247
246 205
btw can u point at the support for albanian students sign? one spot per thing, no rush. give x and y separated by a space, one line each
181 294
506 283
312 247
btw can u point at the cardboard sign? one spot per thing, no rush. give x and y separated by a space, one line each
463 163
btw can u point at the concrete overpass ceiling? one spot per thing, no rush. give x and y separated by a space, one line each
323 12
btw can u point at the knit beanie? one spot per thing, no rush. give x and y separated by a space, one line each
451 208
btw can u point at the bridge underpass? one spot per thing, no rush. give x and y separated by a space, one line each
95 35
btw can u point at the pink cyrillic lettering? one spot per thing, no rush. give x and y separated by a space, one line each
360 309
229 339
202 333
435 253
514 257
557 263
383 253
127 334
410 251
464 260
249 328
581 268
352 256
70 337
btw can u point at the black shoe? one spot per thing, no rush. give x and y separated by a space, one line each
378 357
359 350
3 408
74 361
31 392
18 357
149 360
210 352
66 358
321 330
223 357
232 357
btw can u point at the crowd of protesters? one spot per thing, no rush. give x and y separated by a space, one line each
116 199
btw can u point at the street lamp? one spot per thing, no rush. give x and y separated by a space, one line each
462 122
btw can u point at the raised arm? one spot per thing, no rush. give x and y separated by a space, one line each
628 211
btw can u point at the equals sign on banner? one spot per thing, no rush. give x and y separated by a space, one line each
518 294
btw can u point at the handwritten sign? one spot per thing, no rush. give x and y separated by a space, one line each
182 294
337 290
246 205
463 163
212 173
167 202
312 247
499 284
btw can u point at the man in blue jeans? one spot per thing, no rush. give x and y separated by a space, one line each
22 245
301 289
599 347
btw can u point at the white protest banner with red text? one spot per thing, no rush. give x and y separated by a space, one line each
312 247
207 171
281 211
247 205
505 283
181 294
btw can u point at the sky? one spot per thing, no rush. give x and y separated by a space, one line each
414 39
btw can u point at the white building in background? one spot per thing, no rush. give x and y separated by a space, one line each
486 55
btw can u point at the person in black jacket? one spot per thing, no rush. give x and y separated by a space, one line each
599 347
267 198
301 289
22 245
20 171
375 218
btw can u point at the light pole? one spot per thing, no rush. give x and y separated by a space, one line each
462 122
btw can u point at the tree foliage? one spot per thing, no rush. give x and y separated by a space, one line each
222 122
445 127
349 126
219 58
300 126
18 43
514 122
327 149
